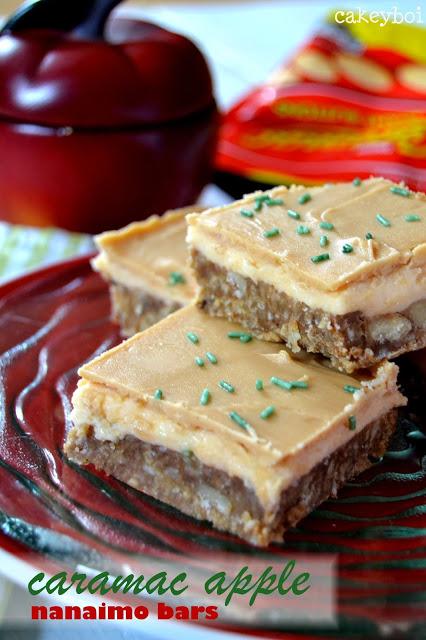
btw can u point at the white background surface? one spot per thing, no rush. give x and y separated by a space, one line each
244 42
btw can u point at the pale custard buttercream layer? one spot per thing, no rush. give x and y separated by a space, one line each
146 254
383 271
117 397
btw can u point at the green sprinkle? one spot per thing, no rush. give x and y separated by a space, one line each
158 394
352 423
283 384
176 278
299 384
265 198
271 233
350 389
274 202
199 361
293 214
247 213
258 202
259 384
192 337
226 386
289 384
240 335
305 197
205 397
321 257
356 182
329 226
240 421
400 191
412 218
369 236
384 221
211 357
323 241
347 248
302 230
267 412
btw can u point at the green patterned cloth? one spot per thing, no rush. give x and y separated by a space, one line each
26 248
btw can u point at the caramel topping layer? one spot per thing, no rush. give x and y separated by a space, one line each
150 254
264 408
324 239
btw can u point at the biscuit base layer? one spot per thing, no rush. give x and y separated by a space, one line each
207 493
352 341
135 309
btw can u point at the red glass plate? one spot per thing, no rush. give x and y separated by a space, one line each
55 514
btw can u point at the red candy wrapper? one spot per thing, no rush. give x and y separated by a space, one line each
352 102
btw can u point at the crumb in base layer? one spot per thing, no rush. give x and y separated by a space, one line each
135 310
206 493
352 341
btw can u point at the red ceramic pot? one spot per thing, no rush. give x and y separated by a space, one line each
98 130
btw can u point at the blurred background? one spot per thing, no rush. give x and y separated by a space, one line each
243 41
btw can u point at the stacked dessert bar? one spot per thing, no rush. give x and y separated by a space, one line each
147 270
272 386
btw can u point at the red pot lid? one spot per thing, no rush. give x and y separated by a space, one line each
137 74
